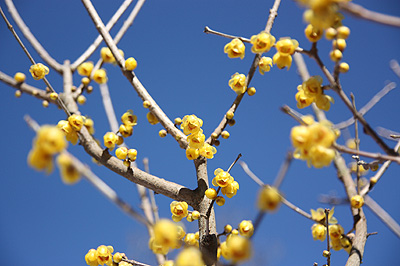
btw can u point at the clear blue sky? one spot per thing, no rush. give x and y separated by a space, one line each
44 222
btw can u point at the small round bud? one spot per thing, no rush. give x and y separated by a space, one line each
117 257
120 140
53 96
229 115
19 77
216 142
326 253
339 44
251 91
330 33
343 32
121 153
214 135
146 104
197 235
18 93
235 232
336 55
45 104
211 193
220 201
85 81
195 215
35 92
81 99
162 133
343 67
127 163
228 228
225 134
178 121
73 88
89 89
232 122
189 218
132 153
357 201
130 64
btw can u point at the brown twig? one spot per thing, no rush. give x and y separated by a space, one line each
328 257
376 156
373 16
210 31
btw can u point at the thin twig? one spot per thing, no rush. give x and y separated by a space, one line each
31 38
328 258
357 142
394 65
376 156
90 50
134 262
296 209
151 192
374 100
210 31
283 170
247 170
294 114
373 16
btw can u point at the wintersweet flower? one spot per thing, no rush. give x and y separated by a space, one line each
100 76
68 130
152 118
19 77
104 255
38 71
190 239
312 87
89 124
246 228
40 160
318 215
269 198
238 83
130 64
357 201
282 61
85 69
192 154
165 233
324 101
110 139
179 210
125 130
318 232
222 178
235 48
91 258
69 173
336 231
50 140
301 98
189 257
239 248
313 34
76 121
207 151
191 124
265 64
286 46
157 248
196 140
107 55
231 189
262 42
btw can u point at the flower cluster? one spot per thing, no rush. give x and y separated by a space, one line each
269 198
322 14
313 143
235 49
69 173
38 71
191 126
167 235
311 91
74 124
128 155
129 120
236 248
226 182
285 47
103 255
49 141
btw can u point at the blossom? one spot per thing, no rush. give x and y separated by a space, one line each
239 248
85 69
130 64
192 154
238 83
19 77
69 131
76 121
231 189
246 228
196 140
286 46
152 118
318 232
221 178
104 255
265 64
269 198
211 193
69 173
40 160
100 76
38 71
165 233
50 140
312 87
336 231
282 61
235 48
189 257
207 151
262 42
357 201
107 55
179 210
110 139
191 124
313 34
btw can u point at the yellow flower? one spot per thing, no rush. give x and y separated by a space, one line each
246 228
192 154
303 100
100 76
239 248
262 42
211 193
324 101
269 198
121 153
89 124
179 210
321 156
76 121
69 174
312 33
222 178
110 139
318 232
231 189
265 64
19 77
312 87
282 61
125 130
85 69
319 215
189 257
165 233
151 118
238 83
336 231
91 258
191 124
50 140
196 140
69 132
40 160
157 248
235 49
207 151
190 239
107 55
286 46
357 201
38 71
128 118
104 255
130 64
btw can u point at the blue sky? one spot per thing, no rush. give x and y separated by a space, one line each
44 222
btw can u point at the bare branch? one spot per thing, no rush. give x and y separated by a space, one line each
375 156
364 13
90 50
31 38
394 65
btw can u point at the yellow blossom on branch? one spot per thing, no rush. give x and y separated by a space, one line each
38 71
262 42
238 83
179 210
235 48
